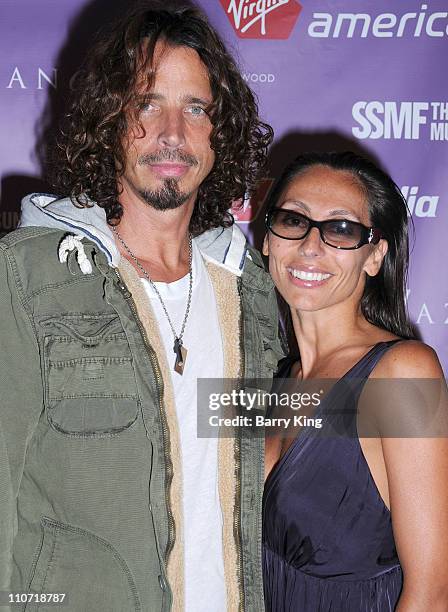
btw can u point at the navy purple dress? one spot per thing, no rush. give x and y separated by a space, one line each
327 534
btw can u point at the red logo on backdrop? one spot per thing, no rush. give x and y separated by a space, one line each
247 210
262 19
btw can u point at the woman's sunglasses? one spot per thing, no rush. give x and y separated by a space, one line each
337 233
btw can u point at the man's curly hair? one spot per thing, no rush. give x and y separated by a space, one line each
90 154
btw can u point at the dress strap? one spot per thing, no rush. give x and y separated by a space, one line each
340 408
366 364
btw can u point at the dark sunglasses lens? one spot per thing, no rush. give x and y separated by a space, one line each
342 234
288 224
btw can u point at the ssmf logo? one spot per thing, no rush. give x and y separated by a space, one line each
392 120
268 19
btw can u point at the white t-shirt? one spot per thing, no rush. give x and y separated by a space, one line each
204 566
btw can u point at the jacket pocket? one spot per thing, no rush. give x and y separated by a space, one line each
90 385
85 567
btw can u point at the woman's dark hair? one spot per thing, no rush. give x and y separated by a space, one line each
89 156
383 301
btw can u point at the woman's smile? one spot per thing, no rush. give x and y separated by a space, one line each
308 276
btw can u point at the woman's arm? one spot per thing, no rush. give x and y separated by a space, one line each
417 472
273 449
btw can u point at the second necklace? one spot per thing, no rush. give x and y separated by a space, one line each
179 349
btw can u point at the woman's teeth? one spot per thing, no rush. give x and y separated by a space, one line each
308 276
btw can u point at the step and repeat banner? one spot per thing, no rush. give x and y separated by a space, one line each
364 75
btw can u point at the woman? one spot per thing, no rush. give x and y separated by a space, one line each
351 523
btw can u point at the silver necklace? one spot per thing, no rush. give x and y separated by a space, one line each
179 350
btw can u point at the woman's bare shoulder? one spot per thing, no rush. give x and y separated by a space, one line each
409 359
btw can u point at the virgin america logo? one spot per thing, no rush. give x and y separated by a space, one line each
262 19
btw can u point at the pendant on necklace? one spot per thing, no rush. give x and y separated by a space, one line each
181 355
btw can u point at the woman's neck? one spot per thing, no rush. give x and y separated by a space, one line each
320 334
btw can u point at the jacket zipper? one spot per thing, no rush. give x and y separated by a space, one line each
237 514
165 431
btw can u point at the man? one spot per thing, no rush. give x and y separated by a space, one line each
114 302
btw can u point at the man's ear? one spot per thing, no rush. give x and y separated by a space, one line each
373 262
265 249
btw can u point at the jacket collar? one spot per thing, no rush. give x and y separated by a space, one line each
226 247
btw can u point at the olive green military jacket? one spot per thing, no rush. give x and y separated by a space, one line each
90 474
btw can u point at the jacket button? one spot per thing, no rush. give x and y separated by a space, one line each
162 583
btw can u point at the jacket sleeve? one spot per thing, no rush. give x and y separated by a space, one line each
270 319
21 402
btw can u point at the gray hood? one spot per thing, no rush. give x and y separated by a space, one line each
226 247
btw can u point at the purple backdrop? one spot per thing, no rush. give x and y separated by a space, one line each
364 75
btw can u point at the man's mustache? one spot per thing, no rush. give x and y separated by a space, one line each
171 156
